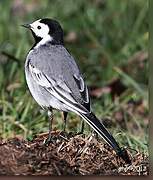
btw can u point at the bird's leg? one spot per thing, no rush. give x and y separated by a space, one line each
50 118
64 117
82 127
81 131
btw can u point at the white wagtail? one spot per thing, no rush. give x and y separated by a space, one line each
55 81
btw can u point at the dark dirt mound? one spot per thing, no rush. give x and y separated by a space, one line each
68 154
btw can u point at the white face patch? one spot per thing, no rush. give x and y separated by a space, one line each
40 29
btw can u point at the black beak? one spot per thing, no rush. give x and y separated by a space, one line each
26 26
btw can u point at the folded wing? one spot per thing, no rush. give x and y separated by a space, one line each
62 91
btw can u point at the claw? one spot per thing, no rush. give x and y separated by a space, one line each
48 140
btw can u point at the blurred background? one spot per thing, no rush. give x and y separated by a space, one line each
109 40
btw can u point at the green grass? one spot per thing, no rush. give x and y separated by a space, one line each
108 35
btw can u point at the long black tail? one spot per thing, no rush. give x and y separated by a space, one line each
93 121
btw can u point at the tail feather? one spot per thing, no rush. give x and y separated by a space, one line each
92 120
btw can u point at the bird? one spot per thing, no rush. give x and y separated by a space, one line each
55 81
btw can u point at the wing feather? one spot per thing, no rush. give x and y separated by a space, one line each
59 89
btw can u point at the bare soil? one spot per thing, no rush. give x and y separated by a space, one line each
67 154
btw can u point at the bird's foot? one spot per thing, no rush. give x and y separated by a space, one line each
80 132
63 133
48 140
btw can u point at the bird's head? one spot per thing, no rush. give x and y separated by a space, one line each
46 30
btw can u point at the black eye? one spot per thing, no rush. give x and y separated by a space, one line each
38 27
